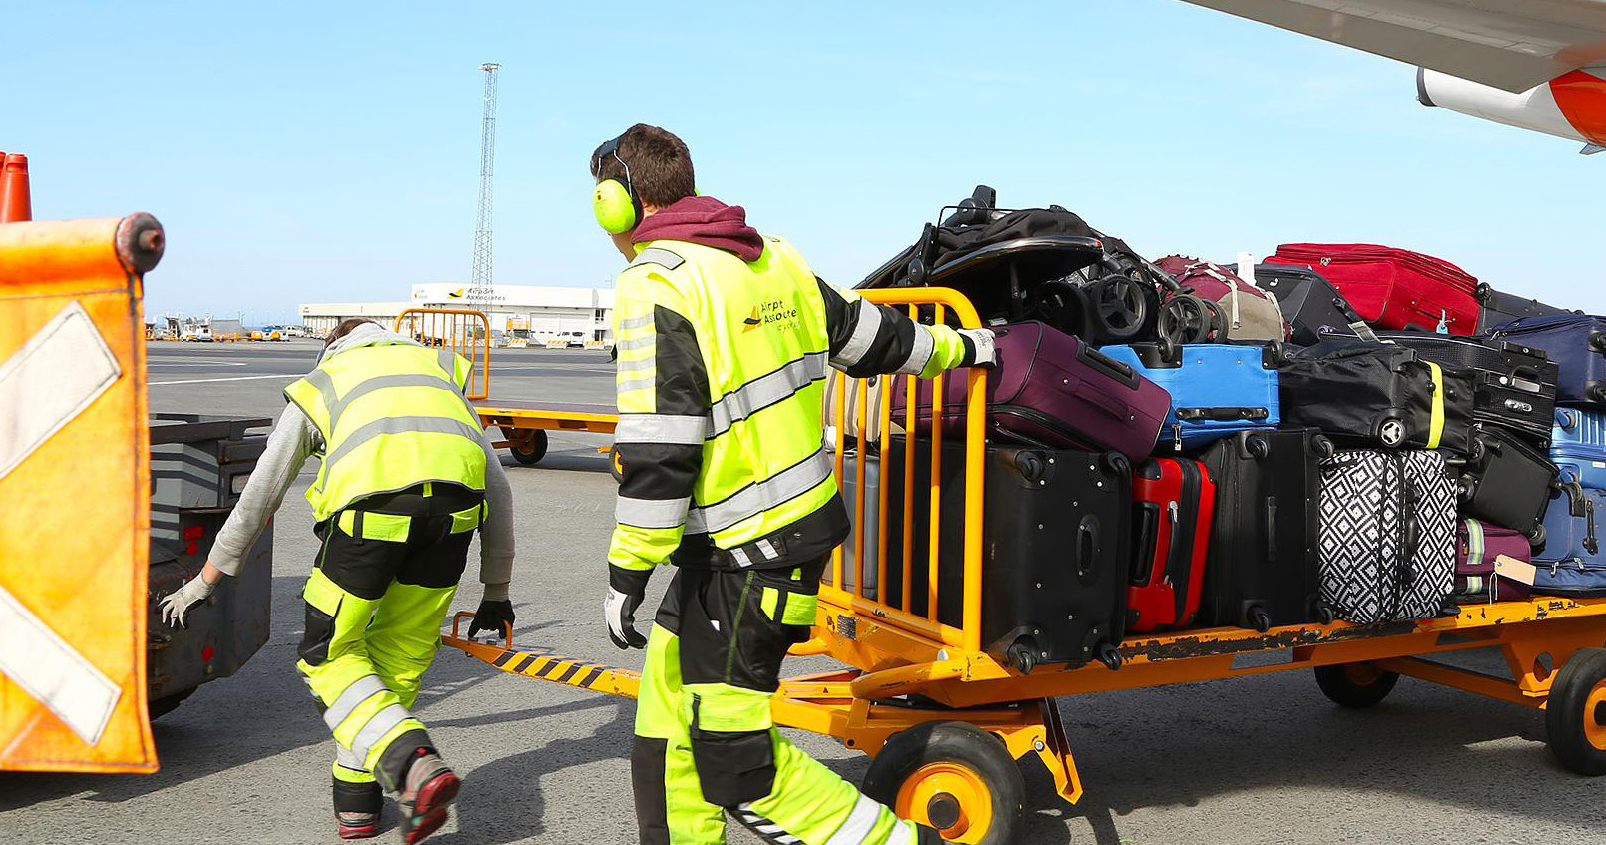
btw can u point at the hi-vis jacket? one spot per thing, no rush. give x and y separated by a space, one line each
719 451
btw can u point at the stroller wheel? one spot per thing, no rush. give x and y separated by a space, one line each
1122 307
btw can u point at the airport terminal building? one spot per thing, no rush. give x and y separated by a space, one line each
537 313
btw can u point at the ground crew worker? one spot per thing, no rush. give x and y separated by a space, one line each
406 477
723 336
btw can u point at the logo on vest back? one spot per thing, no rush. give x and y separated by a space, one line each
775 314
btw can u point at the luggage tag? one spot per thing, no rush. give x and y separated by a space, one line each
1516 570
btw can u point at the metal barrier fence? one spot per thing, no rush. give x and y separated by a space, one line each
871 405
468 333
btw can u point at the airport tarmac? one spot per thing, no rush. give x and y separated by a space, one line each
1248 761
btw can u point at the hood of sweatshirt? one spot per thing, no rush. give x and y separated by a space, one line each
704 221
368 334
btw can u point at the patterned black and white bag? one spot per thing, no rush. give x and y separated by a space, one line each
1386 534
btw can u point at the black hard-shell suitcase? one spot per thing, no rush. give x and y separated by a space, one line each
1515 385
1496 309
1387 534
1369 394
1262 568
1309 303
1056 548
1506 482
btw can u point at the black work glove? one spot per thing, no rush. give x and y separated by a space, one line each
493 616
626 590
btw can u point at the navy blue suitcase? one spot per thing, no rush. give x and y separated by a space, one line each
1217 389
1569 558
1577 343
1578 444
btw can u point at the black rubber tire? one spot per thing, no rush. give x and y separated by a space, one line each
1339 684
159 707
1566 713
957 742
535 454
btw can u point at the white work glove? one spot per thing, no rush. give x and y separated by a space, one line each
979 348
627 588
176 605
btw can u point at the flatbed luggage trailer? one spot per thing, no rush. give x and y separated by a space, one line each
524 424
945 721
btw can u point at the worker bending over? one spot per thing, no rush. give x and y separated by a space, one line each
723 336
406 477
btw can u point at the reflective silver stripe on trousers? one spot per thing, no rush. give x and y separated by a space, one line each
376 729
861 820
651 513
354 694
635 384
920 353
864 332
656 255
641 322
348 760
636 366
684 430
403 425
767 390
757 498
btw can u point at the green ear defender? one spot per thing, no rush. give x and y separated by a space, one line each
615 203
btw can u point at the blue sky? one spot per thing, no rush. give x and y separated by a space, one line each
329 152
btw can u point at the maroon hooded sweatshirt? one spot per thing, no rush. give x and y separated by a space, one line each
704 221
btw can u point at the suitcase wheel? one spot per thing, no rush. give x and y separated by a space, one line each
1391 432
1537 537
1322 447
1322 612
1023 654
1110 655
952 776
1597 391
1482 293
1255 446
1117 464
1259 619
1575 713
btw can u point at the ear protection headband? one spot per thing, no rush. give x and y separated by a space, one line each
615 203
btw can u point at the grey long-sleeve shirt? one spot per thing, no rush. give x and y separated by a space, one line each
295 439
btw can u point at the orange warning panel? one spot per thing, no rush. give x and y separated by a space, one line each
75 491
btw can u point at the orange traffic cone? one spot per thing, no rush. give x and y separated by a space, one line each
16 202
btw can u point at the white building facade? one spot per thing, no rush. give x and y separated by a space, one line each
540 314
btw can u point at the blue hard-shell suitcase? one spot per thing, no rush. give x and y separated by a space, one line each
1577 343
1578 444
1217 389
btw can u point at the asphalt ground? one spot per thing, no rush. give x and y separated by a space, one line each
1260 759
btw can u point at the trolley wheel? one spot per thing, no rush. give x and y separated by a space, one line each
1259 619
1575 714
952 776
1355 685
527 446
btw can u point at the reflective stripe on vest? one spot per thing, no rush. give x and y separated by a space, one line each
390 417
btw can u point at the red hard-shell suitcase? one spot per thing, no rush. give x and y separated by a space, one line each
1393 288
1050 389
1174 501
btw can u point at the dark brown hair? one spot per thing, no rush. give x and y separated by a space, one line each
660 165
344 329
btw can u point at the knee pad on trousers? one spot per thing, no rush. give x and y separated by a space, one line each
734 767
315 638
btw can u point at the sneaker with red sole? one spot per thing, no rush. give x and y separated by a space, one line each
357 807
430 787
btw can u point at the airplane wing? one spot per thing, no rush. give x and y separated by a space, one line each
1512 45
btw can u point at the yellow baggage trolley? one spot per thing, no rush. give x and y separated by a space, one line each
945 721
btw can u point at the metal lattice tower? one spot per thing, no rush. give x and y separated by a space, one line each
479 292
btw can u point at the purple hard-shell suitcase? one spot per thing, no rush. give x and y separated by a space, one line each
1050 389
1477 545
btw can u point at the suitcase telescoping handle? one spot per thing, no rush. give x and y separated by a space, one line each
1117 370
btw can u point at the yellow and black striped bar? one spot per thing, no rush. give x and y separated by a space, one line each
546 665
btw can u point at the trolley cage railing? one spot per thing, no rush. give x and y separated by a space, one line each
932 306
463 331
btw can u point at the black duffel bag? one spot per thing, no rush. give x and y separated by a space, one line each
1377 394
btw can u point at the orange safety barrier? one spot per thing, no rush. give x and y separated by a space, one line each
929 305
468 333
75 491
